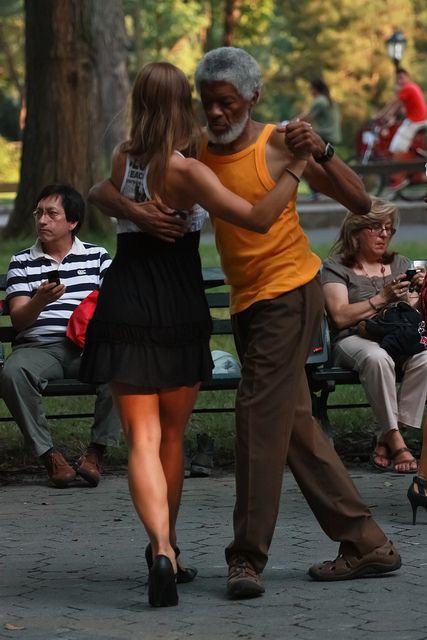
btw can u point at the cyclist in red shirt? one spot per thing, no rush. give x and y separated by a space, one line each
410 99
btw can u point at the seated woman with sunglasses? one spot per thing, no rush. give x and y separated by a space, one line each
359 278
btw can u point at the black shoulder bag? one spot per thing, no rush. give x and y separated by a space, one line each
398 328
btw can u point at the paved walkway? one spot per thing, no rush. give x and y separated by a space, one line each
72 568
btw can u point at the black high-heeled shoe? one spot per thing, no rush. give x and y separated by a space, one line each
182 576
162 583
417 498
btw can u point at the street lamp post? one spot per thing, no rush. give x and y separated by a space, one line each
396 45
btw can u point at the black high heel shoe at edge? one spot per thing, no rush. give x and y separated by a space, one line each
162 584
417 498
182 576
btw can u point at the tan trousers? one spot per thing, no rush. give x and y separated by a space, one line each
377 374
274 425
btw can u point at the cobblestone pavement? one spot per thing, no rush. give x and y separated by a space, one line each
72 568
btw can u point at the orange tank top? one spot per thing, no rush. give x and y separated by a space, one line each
259 266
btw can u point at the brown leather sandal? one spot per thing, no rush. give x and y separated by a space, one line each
348 565
395 454
377 454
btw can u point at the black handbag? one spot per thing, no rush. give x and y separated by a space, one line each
398 328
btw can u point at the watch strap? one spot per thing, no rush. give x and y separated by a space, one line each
327 154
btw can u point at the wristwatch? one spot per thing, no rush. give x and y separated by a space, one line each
327 154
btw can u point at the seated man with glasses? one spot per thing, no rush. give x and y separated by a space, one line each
45 283
360 278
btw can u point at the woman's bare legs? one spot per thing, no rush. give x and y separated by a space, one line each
175 410
154 426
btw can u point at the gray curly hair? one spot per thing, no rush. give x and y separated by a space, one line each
229 64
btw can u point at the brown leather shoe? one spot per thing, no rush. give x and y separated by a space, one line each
243 581
58 469
349 565
89 466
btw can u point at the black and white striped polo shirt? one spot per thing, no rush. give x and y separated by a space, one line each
81 271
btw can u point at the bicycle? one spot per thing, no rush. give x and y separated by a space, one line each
372 144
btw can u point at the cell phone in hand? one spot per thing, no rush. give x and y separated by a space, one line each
410 273
53 276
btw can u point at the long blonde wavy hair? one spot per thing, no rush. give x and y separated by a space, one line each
162 120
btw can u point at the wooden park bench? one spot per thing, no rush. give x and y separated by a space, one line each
226 380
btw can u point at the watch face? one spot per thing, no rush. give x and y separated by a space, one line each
329 151
327 154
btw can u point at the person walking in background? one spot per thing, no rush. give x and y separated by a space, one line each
276 307
39 310
359 279
324 114
149 337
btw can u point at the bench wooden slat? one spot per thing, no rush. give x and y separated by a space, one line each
218 300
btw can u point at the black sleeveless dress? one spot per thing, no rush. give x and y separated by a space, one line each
152 324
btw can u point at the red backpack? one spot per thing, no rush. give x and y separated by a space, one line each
79 319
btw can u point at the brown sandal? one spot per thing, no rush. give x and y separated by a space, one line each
377 454
412 460
347 566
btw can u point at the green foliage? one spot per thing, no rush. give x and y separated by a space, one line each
342 40
11 67
165 30
12 27
10 8
10 154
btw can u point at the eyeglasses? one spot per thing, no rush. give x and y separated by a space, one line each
53 214
377 229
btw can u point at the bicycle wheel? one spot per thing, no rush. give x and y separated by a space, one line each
372 181
413 192
417 187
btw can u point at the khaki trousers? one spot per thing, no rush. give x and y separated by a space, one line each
274 426
377 372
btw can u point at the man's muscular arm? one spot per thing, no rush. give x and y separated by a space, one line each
333 178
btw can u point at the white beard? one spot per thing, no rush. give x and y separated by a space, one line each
231 135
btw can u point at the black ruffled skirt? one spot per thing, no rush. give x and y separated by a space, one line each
152 325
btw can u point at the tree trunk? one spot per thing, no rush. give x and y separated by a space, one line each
111 46
75 52
231 19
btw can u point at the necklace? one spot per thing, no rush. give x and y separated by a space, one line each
373 278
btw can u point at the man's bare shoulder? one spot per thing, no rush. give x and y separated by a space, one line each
182 166
184 177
